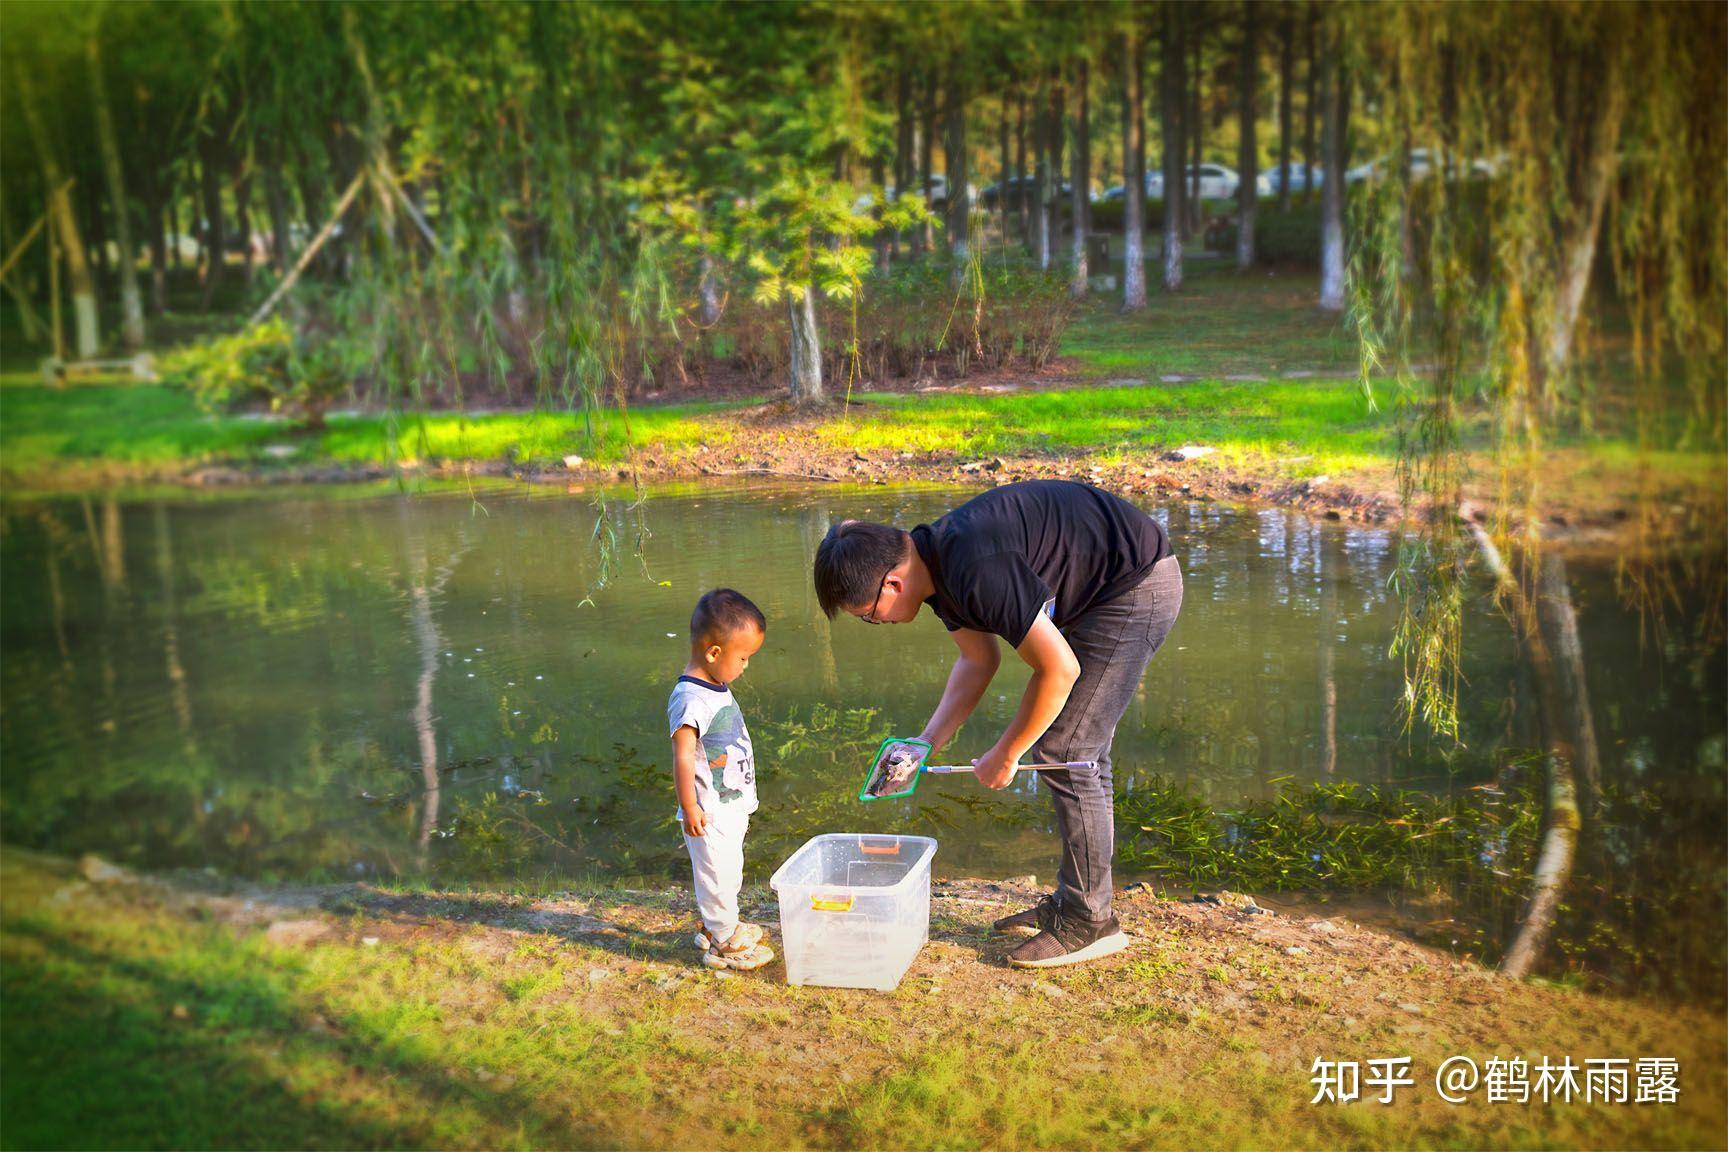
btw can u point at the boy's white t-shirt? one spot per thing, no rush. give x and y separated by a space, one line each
725 761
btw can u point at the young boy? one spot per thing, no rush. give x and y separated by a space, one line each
715 772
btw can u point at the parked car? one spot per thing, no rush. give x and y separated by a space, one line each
1302 177
1422 163
1216 183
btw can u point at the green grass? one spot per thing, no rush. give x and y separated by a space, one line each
1262 327
1328 422
150 426
133 1021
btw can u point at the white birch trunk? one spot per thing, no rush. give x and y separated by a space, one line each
1332 185
806 384
1133 181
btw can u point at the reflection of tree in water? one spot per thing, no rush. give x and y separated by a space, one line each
425 586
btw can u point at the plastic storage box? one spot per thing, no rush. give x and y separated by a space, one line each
854 909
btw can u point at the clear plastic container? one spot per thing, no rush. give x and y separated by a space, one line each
854 909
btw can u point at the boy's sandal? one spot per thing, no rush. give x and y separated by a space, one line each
747 960
744 938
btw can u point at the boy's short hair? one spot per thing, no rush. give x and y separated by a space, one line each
852 561
721 613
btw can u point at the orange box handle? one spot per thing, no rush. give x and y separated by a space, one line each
832 903
879 848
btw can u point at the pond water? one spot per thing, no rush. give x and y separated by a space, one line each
442 686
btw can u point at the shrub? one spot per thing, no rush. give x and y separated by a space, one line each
266 363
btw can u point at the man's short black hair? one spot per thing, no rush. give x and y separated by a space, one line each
723 612
852 561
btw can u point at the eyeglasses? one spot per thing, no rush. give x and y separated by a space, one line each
870 616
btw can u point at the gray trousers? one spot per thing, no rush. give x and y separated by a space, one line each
1114 642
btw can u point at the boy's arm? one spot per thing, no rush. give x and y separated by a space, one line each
972 672
684 778
1055 668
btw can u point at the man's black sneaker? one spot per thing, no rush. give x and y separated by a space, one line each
1034 919
1070 940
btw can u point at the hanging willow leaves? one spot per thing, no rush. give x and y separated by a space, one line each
1538 145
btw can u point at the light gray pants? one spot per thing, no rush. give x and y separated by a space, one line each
1114 642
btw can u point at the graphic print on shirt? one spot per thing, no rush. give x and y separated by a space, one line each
727 746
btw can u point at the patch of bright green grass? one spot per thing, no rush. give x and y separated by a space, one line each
132 425
1326 421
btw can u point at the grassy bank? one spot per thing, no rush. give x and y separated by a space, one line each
1244 366
140 1013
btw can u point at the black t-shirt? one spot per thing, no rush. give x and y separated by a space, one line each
1042 545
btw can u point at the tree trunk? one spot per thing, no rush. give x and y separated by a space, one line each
63 217
1133 164
1195 129
954 157
806 348
1286 70
926 148
1041 174
243 221
1173 86
1578 247
1310 156
1082 178
708 287
215 237
156 234
276 202
1053 170
131 302
1021 195
903 140
175 231
1004 162
1248 155
1332 98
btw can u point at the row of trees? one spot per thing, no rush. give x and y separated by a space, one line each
514 144
528 188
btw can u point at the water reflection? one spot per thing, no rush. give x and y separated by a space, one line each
332 686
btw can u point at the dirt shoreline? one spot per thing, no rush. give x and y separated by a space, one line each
775 441
1203 1031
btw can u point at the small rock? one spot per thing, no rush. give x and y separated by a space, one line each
485 1075
1054 991
180 1012
369 941
98 871
1323 926
281 451
596 975
1413 1009
572 462
720 974
504 1083
1188 452
1294 950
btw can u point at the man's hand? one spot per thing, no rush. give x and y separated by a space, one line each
995 769
695 822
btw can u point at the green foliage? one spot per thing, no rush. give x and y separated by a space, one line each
226 372
271 364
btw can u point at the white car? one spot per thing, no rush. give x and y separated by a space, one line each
1216 182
